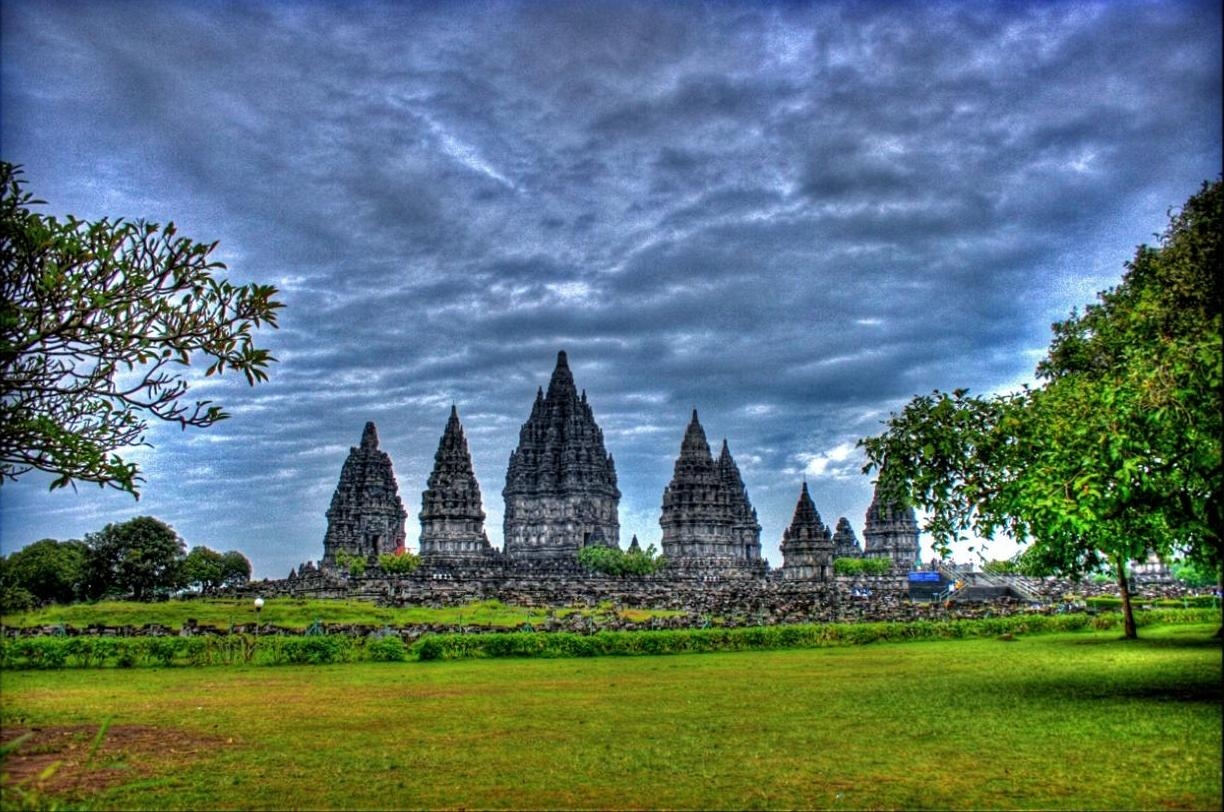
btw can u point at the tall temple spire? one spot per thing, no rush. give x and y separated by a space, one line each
561 491
561 385
845 543
807 545
745 529
891 531
452 521
695 445
707 519
366 516
369 437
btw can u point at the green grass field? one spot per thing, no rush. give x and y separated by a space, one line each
1060 721
297 613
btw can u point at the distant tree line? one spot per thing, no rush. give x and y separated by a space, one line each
142 559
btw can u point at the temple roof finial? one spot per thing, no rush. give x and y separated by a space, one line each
369 437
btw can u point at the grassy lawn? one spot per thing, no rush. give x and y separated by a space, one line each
1062 721
294 613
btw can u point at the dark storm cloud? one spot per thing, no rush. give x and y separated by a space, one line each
792 217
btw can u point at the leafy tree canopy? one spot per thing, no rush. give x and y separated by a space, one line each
142 558
96 320
50 570
1117 452
202 569
235 568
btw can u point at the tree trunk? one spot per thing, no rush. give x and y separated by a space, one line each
1128 612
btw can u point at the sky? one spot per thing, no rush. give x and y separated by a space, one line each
793 217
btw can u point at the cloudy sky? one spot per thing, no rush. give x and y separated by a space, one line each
791 216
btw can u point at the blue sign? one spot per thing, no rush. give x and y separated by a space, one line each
925 577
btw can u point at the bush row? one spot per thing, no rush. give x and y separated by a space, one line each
609 643
247 649
1191 601
232 649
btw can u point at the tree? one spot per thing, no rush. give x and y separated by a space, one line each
94 320
203 569
141 558
50 570
1117 452
235 568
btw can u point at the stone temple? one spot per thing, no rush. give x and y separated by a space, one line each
707 519
561 492
452 518
891 531
845 543
366 517
561 495
807 545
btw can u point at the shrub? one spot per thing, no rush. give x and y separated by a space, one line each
388 649
614 561
862 566
355 564
399 563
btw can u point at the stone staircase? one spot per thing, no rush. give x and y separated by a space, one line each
980 586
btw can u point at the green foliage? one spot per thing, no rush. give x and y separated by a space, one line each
862 566
58 652
313 649
615 561
82 304
1194 574
997 567
235 568
50 571
142 557
1117 452
399 563
202 569
15 598
387 649
352 562
299 613
688 641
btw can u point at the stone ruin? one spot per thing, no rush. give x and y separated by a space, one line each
452 519
845 543
561 495
891 531
807 545
366 517
707 520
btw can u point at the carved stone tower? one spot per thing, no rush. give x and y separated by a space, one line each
845 543
807 545
366 516
891 532
452 519
745 529
561 493
707 519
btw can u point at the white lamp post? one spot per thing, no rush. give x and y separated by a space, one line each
258 606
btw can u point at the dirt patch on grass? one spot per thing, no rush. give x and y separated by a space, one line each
73 761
